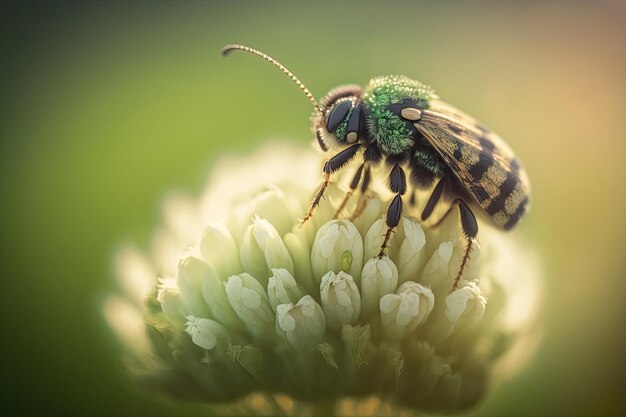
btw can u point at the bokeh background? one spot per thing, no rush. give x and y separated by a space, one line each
106 106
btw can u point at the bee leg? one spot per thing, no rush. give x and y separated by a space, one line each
353 185
470 230
397 184
372 156
363 200
334 164
434 198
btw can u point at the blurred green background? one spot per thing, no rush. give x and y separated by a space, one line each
106 106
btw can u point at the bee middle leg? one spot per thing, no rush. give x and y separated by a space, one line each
372 157
334 164
353 186
363 198
434 198
397 184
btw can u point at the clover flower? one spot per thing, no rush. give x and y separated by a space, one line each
237 306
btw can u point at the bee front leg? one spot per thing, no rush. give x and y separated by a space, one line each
397 184
334 164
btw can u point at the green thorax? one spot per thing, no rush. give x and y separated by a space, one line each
390 131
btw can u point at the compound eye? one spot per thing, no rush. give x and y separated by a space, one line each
337 115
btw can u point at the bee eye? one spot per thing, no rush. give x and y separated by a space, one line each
337 115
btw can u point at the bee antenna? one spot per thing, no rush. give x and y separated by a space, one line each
232 47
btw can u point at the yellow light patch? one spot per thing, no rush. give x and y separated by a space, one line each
496 174
514 200
500 218
444 142
492 190
470 155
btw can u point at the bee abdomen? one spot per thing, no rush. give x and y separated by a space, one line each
517 214
498 184
510 203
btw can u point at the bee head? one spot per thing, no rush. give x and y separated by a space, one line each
340 119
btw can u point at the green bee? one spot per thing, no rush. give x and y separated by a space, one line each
401 122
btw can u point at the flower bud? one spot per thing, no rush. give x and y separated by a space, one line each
303 325
247 297
374 238
168 296
437 271
263 249
374 208
379 277
298 245
402 312
282 288
465 304
204 332
215 297
341 300
337 244
191 273
274 204
410 253
219 250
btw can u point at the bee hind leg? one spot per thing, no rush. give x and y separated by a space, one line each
397 184
470 230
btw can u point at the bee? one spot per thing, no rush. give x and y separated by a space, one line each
401 123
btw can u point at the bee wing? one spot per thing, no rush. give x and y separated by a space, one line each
483 163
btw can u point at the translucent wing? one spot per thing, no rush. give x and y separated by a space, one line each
483 163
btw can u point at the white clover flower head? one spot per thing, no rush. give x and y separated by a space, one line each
238 306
